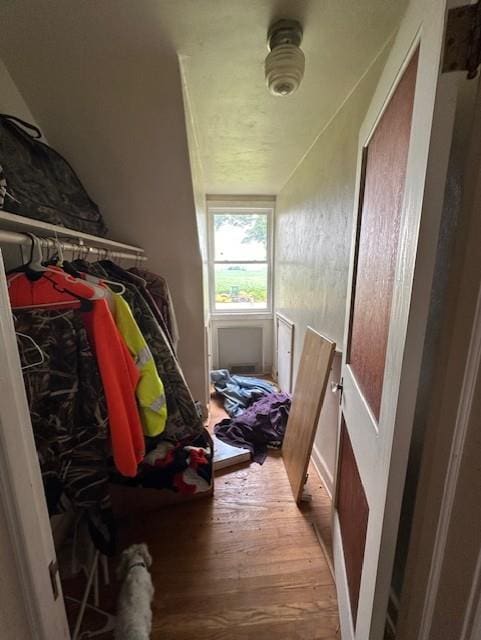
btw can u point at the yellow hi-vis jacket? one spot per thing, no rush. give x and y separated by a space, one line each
150 390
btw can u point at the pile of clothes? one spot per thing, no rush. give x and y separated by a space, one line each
258 413
183 467
260 427
239 392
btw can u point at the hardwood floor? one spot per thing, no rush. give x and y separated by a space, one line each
245 564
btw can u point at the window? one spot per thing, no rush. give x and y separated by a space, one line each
240 264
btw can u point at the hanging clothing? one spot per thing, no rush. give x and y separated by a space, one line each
150 390
117 369
159 290
139 284
183 419
69 415
259 427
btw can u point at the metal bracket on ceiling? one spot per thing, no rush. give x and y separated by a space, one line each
462 49
284 32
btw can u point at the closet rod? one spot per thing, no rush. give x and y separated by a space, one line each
12 237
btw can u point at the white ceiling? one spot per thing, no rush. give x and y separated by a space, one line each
249 141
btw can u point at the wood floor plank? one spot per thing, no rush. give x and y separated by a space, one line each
250 618
245 565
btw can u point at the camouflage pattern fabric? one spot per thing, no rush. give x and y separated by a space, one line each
139 283
183 420
68 414
40 183
158 289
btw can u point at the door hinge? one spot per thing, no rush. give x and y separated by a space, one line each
462 48
53 571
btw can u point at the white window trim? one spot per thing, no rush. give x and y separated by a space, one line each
241 207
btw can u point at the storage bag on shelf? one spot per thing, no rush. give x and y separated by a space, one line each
37 182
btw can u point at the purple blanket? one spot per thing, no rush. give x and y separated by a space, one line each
260 426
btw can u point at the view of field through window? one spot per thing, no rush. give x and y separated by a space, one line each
240 256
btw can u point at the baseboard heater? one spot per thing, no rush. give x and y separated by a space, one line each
244 369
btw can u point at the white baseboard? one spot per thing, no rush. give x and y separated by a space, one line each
323 471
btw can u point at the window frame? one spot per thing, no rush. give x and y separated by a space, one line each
227 208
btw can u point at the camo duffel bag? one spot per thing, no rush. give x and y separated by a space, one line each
37 182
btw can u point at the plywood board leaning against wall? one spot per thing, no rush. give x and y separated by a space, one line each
309 392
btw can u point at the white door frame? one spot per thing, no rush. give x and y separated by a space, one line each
22 490
449 430
423 25
281 319
428 591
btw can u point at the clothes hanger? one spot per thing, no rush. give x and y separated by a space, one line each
34 267
68 266
116 287
58 251
35 345
34 270
95 284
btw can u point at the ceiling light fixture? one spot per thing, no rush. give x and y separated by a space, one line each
284 65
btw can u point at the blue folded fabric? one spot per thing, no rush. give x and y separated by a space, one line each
239 391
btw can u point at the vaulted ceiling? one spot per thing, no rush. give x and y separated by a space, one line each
249 142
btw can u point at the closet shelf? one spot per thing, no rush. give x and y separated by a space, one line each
21 224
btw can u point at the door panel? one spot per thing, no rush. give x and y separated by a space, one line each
384 174
353 511
404 146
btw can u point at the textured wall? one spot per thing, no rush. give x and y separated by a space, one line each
313 230
313 224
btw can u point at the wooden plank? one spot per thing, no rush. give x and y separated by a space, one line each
312 377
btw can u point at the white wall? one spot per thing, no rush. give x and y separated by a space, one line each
313 235
201 216
11 102
113 107
225 321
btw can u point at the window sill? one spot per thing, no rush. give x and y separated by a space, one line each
241 315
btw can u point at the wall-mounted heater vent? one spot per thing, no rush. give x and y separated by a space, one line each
240 349
243 368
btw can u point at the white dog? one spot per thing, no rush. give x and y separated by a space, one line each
134 614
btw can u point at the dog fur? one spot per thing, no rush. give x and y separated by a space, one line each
134 614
